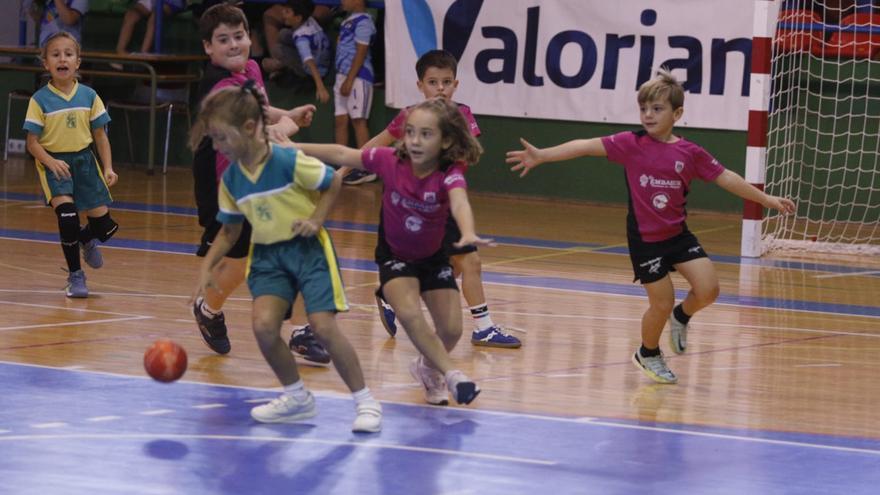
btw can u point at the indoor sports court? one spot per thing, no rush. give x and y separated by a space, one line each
777 383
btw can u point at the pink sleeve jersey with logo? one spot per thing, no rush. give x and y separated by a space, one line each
398 124
414 210
251 71
658 177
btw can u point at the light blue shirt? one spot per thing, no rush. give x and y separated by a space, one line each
312 43
51 23
357 29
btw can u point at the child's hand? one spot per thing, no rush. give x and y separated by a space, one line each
280 131
110 176
345 89
302 115
525 159
469 240
305 228
322 95
785 205
59 168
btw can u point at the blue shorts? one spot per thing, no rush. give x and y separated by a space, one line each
86 183
304 265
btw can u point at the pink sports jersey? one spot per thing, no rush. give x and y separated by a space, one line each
658 176
251 71
414 211
396 127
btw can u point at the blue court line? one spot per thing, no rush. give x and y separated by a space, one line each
508 240
506 278
107 433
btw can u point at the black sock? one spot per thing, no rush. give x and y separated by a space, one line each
85 234
71 255
680 315
645 352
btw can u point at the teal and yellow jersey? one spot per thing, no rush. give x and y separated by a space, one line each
283 189
64 122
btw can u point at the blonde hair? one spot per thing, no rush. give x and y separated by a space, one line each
663 86
232 106
464 146
44 50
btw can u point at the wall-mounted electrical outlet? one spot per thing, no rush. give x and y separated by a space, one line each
15 146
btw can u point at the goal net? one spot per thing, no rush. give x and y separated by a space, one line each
823 134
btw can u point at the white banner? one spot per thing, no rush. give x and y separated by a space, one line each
577 59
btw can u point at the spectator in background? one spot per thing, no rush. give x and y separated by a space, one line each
53 16
303 49
138 11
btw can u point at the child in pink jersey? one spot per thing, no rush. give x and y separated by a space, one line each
659 168
424 184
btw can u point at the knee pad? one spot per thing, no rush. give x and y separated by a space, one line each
103 227
68 223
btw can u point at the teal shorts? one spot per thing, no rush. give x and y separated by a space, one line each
304 265
86 183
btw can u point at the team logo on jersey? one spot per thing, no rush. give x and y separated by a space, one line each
413 223
264 213
395 197
660 200
71 121
452 178
679 166
645 180
430 197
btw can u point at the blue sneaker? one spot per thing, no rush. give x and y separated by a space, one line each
91 254
495 336
76 285
386 315
304 344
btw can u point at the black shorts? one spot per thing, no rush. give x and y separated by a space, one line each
452 235
652 261
433 272
239 250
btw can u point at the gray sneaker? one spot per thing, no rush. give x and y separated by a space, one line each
285 409
76 285
461 387
91 254
654 368
678 335
369 417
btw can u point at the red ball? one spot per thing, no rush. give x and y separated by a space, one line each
165 361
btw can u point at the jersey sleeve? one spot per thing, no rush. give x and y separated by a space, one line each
99 116
469 118
229 212
706 166
304 47
395 128
364 31
455 177
35 119
619 146
311 174
377 160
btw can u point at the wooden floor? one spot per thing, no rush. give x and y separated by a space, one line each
560 278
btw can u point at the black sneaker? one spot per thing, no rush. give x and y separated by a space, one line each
213 329
304 344
358 176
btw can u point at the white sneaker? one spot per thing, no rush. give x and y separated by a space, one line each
432 380
654 368
285 409
678 335
369 417
461 387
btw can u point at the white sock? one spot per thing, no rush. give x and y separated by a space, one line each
480 313
209 311
297 390
362 395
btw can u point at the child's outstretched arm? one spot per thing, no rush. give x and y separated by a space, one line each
308 227
384 138
104 153
461 211
530 157
333 153
731 181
